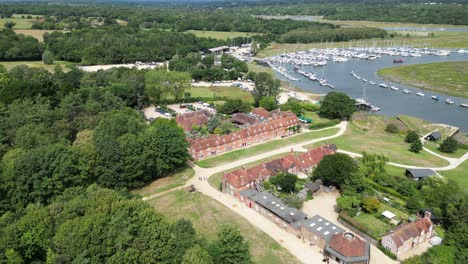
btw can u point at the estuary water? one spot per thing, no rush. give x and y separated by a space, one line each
391 102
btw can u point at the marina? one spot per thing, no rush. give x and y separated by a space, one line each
359 67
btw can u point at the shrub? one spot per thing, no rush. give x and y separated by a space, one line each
411 136
449 145
330 123
293 200
370 204
392 128
416 146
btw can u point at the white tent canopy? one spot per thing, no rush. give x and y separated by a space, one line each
388 214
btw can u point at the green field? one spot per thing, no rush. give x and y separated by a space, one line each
458 175
208 215
362 23
176 179
35 64
264 147
369 135
21 23
220 34
446 40
434 146
444 77
227 91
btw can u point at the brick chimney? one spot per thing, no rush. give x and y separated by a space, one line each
427 215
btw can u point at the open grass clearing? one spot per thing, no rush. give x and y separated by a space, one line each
362 23
424 127
444 77
208 215
446 40
26 15
36 64
227 91
370 136
434 146
375 227
21 23
220 34
174 180
265 147
35 33
315 117
458 175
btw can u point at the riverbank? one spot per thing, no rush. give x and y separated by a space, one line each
444 77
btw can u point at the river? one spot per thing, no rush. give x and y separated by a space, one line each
392 103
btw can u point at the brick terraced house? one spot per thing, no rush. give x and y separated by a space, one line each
408 236
278 124
244 178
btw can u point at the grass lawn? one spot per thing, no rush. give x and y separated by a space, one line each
220 34
446 40
362 23
35 64
228 91
21 23
208 215
444 77
264 147
395 171
215 179
35 33
174 180
376 227
370 136
434 146
315 117
422 126
458 175
254 67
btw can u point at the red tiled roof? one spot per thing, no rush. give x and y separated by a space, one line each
283 120
188 120
348 245
313 157
270 168
410 230
260 111
244 119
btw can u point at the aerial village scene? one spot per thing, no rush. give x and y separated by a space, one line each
249 131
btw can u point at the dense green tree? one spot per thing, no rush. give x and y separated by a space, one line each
416 146
372 166
232 106
449 145
47 57
349 204
213 123
197 255
284 181
293 200
392 128
269 103
335 169
411 136
337 105
370 204
265 86
9 24
183 238
17 46
230 247
160 85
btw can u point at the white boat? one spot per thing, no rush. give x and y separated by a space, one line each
449 101
383 85
406 91
419 94
394 88
464 105
371 82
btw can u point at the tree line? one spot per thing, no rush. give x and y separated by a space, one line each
338 35
97 225
19 47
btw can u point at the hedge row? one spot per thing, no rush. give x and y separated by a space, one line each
330 123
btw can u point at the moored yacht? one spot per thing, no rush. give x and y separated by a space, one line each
419 94
383 85
406 91
394 88
449 101
435 97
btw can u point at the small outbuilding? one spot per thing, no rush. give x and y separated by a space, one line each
388 214
219 50
434 136
419 174
347 248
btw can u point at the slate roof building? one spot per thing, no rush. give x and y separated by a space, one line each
419 174
319 230
408 236
434 136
